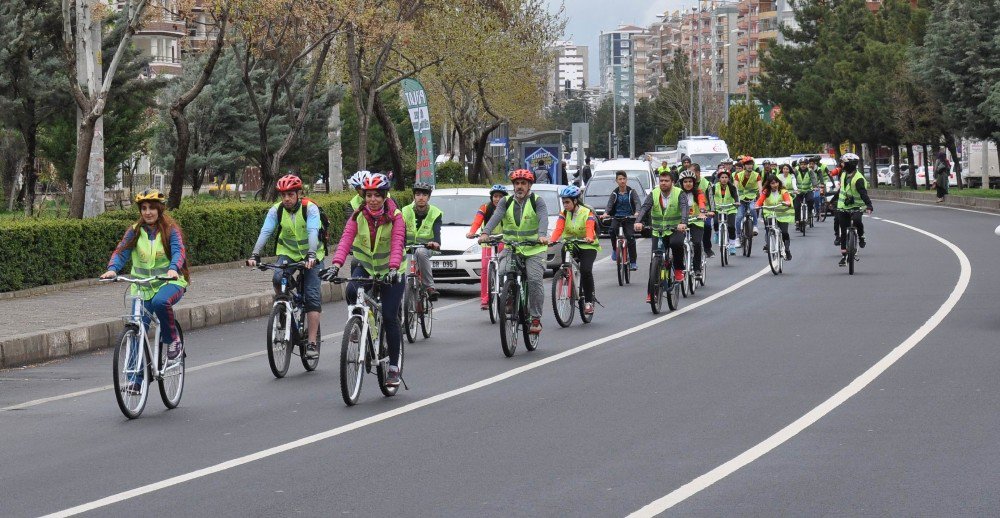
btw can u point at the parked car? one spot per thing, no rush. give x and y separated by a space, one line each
459 260
952 176
595 196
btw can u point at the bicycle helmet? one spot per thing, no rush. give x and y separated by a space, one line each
570 191
150 195
497 188
748 159
358 178
522 174
289 182
850 157
376 182
686 174
423 186
720 172
767 162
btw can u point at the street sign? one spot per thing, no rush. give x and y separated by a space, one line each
767 111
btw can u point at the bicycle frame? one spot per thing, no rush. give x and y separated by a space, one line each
293 309
137 314
370 310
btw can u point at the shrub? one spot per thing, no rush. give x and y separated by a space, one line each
450 172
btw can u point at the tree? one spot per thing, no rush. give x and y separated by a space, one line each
673 100
745 133
91 98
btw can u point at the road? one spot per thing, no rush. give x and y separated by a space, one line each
809 393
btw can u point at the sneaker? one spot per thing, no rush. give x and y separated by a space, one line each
709 253
633 266
755 231
810 223
678 275
312 351
174 349
648 298
133 388
843 260
484 307
788 255
732 249
614 255
588 308
861 242
432 294
836 241
536 326
392 377
697 275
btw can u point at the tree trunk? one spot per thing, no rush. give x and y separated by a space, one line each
911 179
927 172
478 173
949 142
183 131
29 172
873 153
897 180
84 141
392 139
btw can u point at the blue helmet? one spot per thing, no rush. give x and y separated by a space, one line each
498 188
570 191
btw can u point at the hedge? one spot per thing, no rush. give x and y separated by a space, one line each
49 251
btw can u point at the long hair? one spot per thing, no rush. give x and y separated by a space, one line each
767 185
164 227
791 170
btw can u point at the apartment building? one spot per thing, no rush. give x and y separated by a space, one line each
623 57
168 35
569 70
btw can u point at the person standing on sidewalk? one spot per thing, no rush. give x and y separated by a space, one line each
155 244
298 222
941 170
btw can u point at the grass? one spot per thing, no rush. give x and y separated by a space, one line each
954 191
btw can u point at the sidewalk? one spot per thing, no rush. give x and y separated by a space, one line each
930 198
82 317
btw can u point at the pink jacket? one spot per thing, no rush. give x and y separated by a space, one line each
398 234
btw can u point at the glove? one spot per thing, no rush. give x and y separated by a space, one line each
255 258
393 276
330 273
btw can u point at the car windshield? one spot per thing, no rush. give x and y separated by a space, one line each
709 161
599 188
642 176
458 209
552 203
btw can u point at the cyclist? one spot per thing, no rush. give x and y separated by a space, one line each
822 177
835 177
668 211
375 234
787 176
663 167
768 165
807 185
774 193
853 196
155 244
725 193
298 222
423 226
705 187
696 216
748 183
623 202
524 216
485 212
577 221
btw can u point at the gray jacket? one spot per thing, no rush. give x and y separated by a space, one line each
540 209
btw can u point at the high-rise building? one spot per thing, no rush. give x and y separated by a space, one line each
624 63
569 70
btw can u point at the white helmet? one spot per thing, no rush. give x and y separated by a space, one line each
850 157
358 178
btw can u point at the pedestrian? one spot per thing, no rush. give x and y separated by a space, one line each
941 170
563 172
586 172
541 172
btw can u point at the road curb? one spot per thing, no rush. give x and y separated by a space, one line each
30 348
930 198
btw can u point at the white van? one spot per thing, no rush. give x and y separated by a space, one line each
705 151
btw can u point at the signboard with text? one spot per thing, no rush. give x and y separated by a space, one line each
416 102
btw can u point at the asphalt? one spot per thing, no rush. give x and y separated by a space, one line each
597 431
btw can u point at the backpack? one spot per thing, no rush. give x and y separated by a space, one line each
324 223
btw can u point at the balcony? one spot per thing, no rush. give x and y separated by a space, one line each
741 57
744 7
754 71
174 29
742 41
743 24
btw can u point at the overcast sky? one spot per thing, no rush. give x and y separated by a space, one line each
587 18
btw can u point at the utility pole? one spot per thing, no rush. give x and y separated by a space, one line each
631 107
614 114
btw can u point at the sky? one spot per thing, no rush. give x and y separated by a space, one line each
587 18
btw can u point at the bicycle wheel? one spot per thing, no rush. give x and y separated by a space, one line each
410 314
508 313
773 252
746 235
310 364
621 265
426 317
383 367
704 271
491 291
804 217
279 349
562 296
852 250
655 287
724 243
351 369
130 372
530 340
172 381
674 294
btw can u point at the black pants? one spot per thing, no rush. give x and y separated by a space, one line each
797 202
730 228
785 236
676 243
586 258
697 237
628 230
706 239
844 220
392 297
942 190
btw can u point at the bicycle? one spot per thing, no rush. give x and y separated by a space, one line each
851 245
417 306
365 324
746 229
566 291
688 287
513 301
800 225
775 245
623 262
288 326
723 233
493 276
661 271
133 366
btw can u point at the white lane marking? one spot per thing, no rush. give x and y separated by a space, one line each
941 207
42 401
687 490
340 430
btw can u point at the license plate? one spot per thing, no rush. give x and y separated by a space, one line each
443 264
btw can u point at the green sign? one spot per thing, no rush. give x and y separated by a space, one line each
416 101
767 111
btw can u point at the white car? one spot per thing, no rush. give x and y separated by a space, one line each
638 169
952 179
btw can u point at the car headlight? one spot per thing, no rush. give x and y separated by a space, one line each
474 249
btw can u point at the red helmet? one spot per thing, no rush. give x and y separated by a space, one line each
522 174
747 160
375 182
289 182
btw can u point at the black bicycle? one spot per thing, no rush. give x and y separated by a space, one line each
661 279
623 261
287 329
513 301
851 243
417 305
746 229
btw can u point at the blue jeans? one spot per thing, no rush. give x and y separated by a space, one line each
818 202
162 305
312 299
392 297
741 213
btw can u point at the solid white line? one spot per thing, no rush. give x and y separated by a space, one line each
340 430
42 401
940 207
687 490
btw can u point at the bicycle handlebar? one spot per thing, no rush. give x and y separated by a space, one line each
289 266
125 278
774 207
374 281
